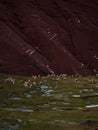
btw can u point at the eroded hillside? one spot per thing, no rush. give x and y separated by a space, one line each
49 36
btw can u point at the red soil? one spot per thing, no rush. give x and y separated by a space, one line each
40 37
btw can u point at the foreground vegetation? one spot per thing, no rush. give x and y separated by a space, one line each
48 103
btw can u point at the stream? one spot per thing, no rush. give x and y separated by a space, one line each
47 108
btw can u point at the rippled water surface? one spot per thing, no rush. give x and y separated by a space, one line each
52 104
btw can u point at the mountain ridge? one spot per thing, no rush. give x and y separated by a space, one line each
48 37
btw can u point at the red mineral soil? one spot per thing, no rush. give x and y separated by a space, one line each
40 37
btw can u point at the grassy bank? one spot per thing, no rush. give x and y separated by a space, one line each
46 103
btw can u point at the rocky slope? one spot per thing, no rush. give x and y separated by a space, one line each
40 37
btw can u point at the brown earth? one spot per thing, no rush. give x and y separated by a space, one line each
40 37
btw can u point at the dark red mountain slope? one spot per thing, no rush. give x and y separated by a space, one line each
48 36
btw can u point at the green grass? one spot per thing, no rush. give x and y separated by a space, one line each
67 106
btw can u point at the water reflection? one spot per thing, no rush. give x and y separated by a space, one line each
18 109
44 100
15 98
65 122
92 106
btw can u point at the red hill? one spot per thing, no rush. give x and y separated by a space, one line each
48 36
